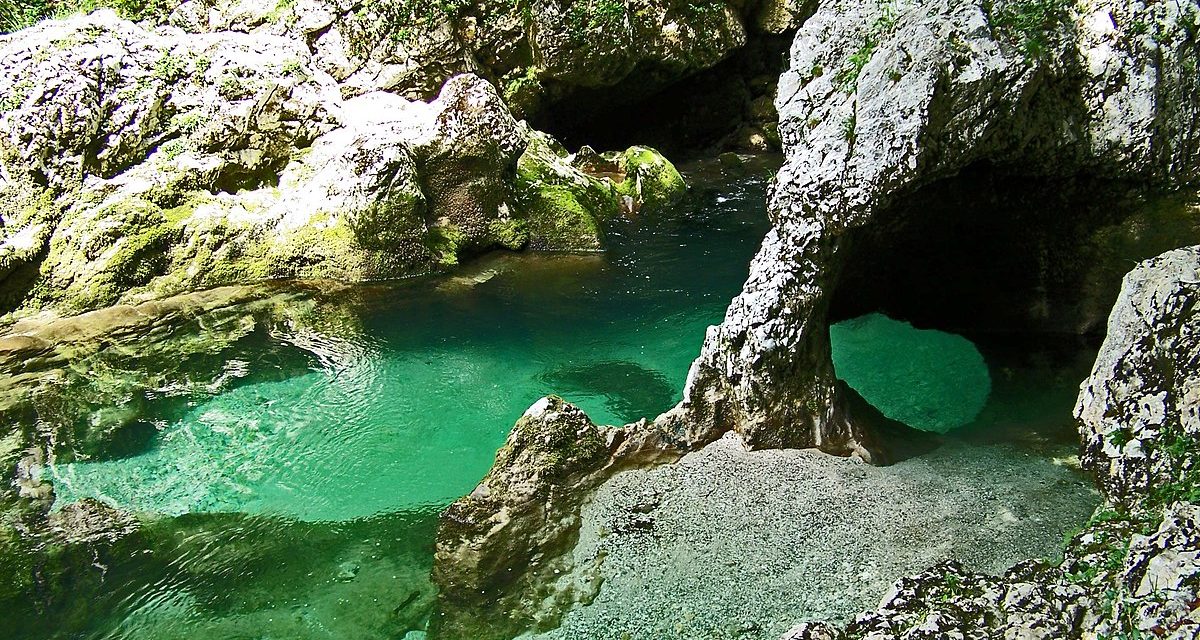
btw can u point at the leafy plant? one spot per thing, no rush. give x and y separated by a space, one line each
849 125
586 17
847 76
396 21
19 14
168 68
1030 24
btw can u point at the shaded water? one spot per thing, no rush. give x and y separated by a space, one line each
985 388
929 380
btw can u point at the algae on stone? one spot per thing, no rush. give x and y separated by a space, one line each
229 158
567 199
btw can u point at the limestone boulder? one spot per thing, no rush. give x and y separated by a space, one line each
184 161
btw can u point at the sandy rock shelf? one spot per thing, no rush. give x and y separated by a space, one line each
730 543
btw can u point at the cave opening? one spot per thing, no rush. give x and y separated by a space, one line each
729 106
1021 269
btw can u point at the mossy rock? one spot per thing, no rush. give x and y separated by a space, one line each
654 184
563 208
124 245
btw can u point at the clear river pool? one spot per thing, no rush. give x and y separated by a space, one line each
294 493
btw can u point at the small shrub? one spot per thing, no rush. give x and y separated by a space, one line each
849 125
292 68
586 17
168 68
1031 24
202 65
19 14
15 99
847 76
173 149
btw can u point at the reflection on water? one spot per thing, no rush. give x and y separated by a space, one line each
236 576
293 490
405 398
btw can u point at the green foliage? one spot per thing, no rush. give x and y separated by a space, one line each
1181 451
18 14
168 68
847 76
849 125
445 241
17 97
1030 24
292 68
173 149
705 8
396 21
1120 437
585 17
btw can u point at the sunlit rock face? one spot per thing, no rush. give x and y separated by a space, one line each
928 380
177 161
1139 411
883 98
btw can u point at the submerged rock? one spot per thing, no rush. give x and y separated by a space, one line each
630 391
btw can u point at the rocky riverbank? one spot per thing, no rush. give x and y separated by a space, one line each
946 160
181 161
1089 107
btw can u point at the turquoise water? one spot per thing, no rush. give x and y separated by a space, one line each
297 496
404 407
929 380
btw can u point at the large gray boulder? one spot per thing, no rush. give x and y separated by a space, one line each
1140 410
502 549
